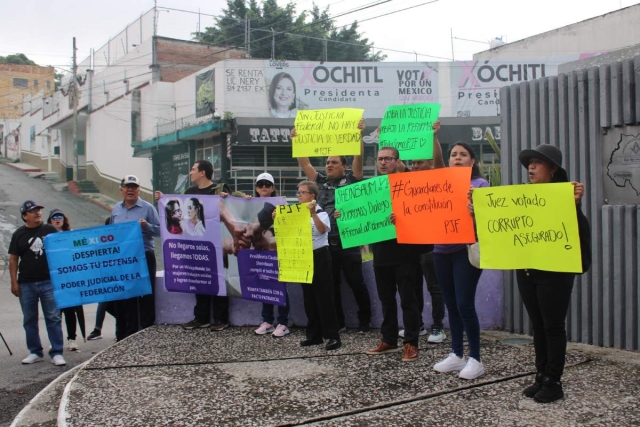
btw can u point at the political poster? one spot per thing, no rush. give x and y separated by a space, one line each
97 264
409 129
292 225
431 206
259 278
331 132
528 226
365 212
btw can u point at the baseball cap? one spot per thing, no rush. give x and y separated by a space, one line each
130 179
29 205
54 212
265 177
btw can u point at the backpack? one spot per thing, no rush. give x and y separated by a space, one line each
220 188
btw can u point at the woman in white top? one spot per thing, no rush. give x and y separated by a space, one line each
195 222
282 96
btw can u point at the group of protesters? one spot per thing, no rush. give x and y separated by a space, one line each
398 268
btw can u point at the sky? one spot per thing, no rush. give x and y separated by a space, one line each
44 30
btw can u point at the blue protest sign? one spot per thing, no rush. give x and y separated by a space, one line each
97 264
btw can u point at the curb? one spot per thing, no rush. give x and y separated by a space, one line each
33 169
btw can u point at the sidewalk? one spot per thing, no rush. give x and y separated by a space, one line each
167 376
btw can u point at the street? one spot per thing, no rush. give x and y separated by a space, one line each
20 383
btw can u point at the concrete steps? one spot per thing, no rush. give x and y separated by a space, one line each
86 187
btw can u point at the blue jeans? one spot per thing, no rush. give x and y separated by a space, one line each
283 313
459 280
30 293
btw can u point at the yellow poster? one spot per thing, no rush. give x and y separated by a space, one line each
528 226
292 226
330 132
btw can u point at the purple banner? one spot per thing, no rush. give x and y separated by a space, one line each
259 277
192 244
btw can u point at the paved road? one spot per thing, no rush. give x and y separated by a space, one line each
18 383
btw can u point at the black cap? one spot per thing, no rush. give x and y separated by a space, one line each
547 153
54 212
29 205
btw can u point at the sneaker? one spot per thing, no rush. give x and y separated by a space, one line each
73 345
422 332
437 336
95 335
382 348
194 324
364 328
264 328
218 326
549 392
58 360
410 353
343 329
280 331
472 370
535 387
450 364
32 358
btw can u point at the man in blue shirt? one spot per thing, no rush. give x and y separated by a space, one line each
135 314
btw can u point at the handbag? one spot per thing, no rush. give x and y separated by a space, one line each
474 254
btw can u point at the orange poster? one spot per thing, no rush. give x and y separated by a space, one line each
431 206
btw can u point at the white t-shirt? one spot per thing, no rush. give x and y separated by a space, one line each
320 240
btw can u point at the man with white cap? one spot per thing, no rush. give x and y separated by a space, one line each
135 314
30 281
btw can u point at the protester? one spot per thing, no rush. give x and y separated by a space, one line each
31 282
349 260
395 266
135 314
282 96
265 187
318 296
59 220
458 280
546 294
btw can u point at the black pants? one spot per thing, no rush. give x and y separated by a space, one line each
400 277
70 320
136 314
547 303
319 304
428 271
349 261
202 309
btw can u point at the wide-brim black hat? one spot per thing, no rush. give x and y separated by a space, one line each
547 153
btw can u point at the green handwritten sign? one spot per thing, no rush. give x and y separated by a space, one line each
409 129
365 209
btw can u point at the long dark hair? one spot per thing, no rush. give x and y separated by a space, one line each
199 208
475 170
272 90
169 208
66 226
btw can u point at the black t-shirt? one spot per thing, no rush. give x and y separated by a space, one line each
28 244
327 196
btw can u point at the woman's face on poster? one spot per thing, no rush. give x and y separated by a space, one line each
284 94
176 212
191 210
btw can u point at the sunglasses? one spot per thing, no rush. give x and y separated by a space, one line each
57 217
261 184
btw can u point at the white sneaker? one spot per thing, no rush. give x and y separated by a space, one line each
422 332
265 328
437 336
472 370
73 345
451 363
280 331
58 360
401 333
32 358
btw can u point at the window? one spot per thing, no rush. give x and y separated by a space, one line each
35 84
23 83
48 84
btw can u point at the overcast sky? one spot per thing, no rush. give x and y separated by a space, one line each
43 30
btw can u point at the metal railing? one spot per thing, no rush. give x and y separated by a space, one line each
182 123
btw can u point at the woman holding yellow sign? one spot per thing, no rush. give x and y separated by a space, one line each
546 294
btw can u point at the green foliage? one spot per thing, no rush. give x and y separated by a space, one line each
230 31
16 58
493 171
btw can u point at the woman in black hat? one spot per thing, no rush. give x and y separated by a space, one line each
546 294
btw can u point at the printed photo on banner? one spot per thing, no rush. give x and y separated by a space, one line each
332 132
528 226
365 211
409 129
292 225
192 246
434 197
97 264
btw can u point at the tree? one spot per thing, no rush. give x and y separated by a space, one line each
298 37
16 58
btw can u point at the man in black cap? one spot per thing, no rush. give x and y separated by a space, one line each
30 281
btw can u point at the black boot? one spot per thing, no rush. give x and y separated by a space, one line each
535 387
550 392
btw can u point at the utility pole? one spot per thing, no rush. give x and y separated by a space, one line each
273 44
249 38
74 89
453 58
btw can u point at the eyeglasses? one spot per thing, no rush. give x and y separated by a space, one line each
301 192
57 217
132 186
261 184
386 159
